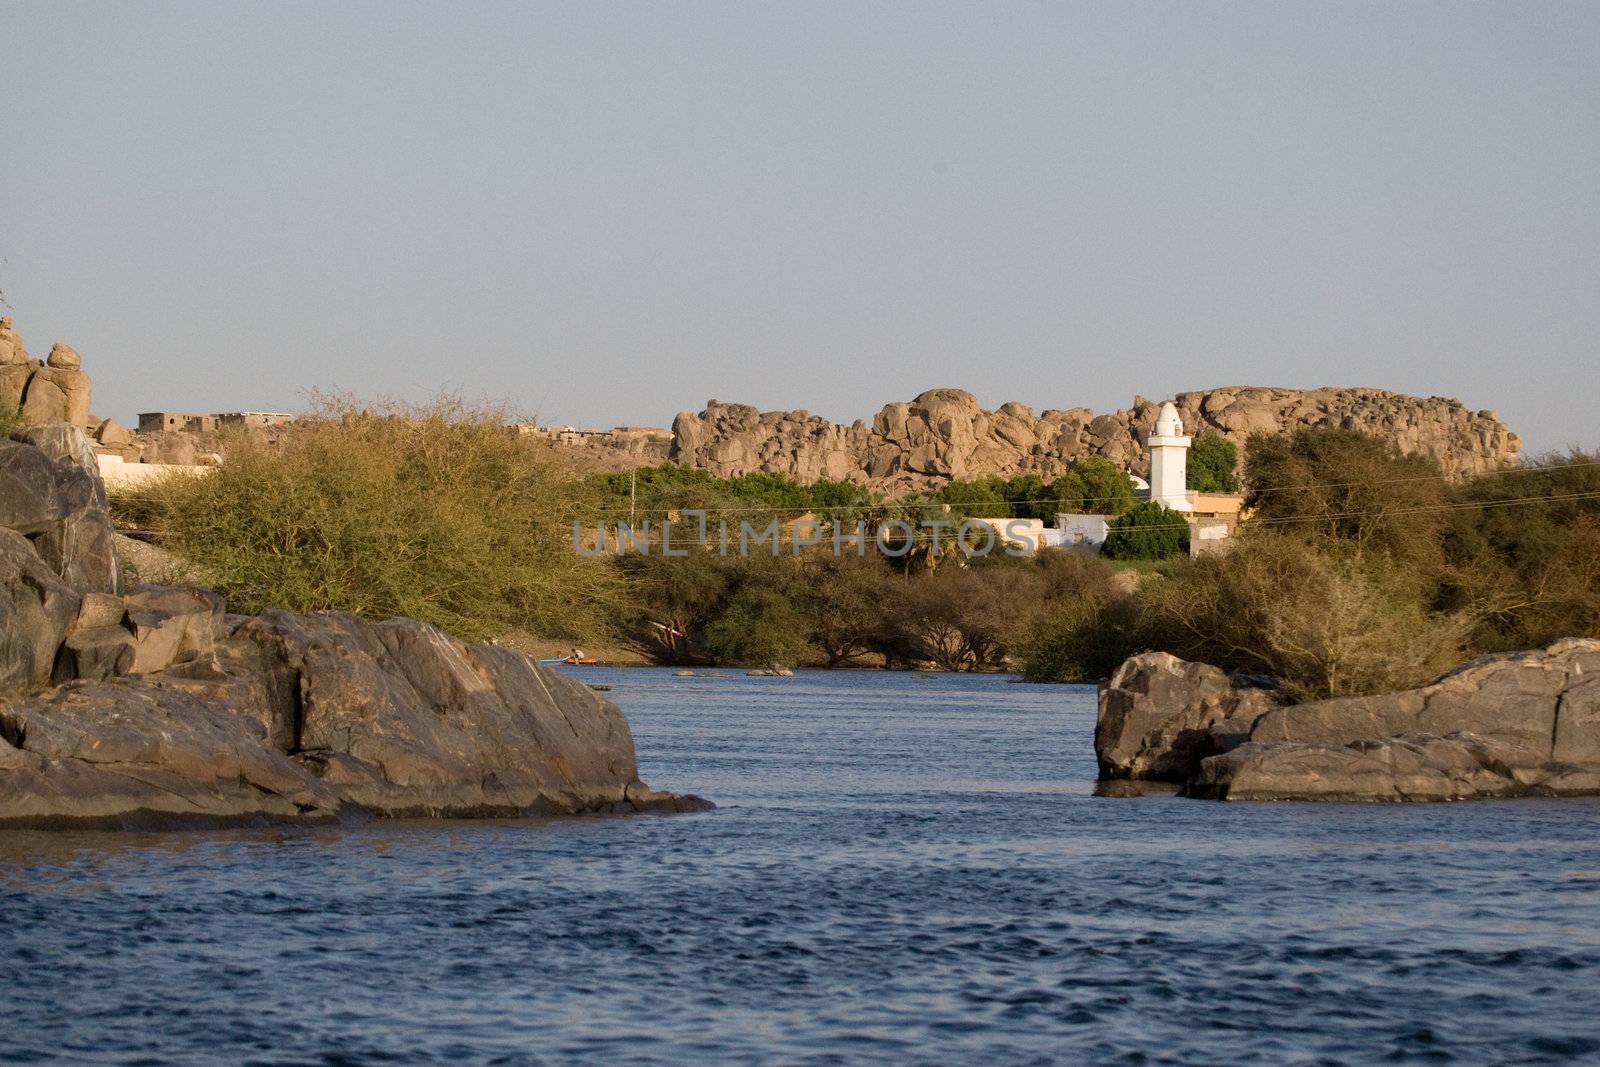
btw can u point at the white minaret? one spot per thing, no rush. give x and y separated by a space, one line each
1169 461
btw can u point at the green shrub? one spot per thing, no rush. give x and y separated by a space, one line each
437 512
1326 625
1148 530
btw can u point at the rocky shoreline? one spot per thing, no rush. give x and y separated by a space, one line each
1511 725
153 706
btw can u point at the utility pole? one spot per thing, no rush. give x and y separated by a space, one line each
633 491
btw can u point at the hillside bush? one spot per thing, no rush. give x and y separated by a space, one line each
439 512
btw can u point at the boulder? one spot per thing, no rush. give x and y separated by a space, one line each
1160 716
405 720
172 624
94 653
13 383
45 398
1517 724
1514 698
100 609
113 434
60 506
11 351
1413 767
64 356
36 610
127 753
302 717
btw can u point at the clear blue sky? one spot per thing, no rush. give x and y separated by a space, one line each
606 213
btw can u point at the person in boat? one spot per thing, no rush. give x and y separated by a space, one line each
576 657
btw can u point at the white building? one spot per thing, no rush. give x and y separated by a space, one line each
1169 461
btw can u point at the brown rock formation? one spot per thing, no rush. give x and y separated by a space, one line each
55 391
944 434
1517 724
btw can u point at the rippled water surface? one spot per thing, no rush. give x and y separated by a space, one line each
902 870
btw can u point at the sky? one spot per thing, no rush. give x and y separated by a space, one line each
605 213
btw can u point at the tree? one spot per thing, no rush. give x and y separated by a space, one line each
847 599
1350 488
761 627
1148 531
1094 486
1213 460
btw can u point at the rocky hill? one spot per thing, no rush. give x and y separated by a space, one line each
944 434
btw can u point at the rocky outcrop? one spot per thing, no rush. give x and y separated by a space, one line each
1517 724
56 390
50 491
155 706
1161 715
944 434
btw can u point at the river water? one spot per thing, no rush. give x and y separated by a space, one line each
902 870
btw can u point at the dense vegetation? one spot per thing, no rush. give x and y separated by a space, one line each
1361 570
437 513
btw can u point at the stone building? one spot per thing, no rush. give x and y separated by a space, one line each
252 419
175 422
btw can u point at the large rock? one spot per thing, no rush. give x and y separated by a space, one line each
48 496
172 624
55 391
945 433
36 610
1459 766
1160 716
1524 723
129 754
302 717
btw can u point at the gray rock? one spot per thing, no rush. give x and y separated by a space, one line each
95 653
172 624
1409 768
1160 716
129 753
60 507
300 717
36 610
1523 723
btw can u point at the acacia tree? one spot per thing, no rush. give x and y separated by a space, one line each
1350 489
